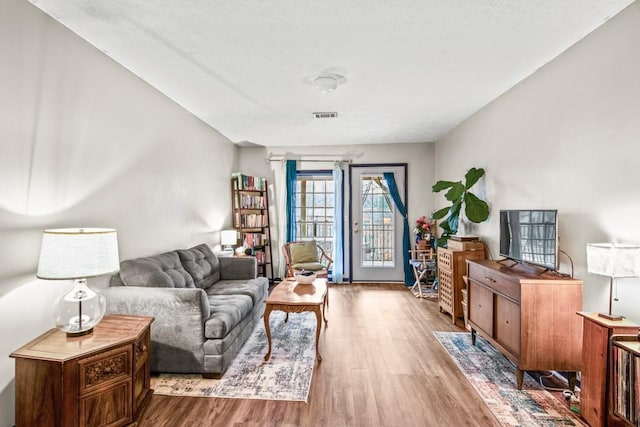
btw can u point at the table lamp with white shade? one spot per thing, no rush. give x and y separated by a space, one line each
228 238
78 253
613 260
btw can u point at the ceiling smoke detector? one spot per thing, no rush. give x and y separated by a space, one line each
325 115
327 83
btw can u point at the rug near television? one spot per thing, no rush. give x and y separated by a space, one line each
286 376
494 378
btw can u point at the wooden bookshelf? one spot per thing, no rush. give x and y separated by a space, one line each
625 385
250 206
595 384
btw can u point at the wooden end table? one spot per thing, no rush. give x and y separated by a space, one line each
100 379
293 297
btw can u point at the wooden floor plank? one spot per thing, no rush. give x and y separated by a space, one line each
381 366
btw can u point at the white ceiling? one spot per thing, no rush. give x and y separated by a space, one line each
414 69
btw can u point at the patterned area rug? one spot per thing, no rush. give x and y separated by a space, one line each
286 376
494 378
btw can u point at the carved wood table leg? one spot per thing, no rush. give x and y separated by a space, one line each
325 304
316 310
519 377
267 312
572 377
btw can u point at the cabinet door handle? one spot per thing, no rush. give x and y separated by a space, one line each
490 279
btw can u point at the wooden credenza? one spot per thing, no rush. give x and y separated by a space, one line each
528 315
101 379
595 384
451 270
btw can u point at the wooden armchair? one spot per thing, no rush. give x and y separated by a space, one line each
308 256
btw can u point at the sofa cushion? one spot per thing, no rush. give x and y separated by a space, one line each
256 288
227 311
202 264
159 271
302 252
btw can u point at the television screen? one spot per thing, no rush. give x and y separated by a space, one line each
530 236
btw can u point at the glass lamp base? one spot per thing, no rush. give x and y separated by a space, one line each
78 311
79 334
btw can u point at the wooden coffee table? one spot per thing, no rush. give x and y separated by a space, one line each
293 297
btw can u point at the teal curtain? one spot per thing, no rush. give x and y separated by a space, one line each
338 225
406 245
291 177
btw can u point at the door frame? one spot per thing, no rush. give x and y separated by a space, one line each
405 200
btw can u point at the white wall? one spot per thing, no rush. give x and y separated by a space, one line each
420 170
83 142
566 138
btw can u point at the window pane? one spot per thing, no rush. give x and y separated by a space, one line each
314 210
329 201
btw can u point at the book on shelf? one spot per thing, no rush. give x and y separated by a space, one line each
250 201
247 182
626 387
254 239
251 220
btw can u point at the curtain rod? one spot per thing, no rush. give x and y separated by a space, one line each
309 160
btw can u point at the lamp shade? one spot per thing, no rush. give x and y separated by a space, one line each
613 259
78 253
74 253
228 237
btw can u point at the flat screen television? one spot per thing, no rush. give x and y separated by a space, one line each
530 235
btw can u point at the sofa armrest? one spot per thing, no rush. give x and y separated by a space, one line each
179 313
238 268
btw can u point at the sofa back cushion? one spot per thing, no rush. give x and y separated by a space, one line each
159 271
303 252
202 264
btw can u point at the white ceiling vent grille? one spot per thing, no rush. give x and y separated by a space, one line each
325 115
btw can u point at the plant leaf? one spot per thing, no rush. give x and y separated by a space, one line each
455 192
445 226
441 242
440 213
472 176
476 210
441 185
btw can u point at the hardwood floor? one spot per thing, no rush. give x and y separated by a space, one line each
381 366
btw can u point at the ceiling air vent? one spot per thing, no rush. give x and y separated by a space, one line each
325 115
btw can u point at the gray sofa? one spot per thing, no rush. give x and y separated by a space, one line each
205 307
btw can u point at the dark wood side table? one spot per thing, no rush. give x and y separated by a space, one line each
596 333
101 379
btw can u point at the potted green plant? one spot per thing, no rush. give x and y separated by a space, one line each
460 196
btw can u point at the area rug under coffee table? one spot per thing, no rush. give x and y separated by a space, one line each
286 376
494 378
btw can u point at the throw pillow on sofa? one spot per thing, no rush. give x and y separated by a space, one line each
202 264
160 271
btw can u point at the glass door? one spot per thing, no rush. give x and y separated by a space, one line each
376 229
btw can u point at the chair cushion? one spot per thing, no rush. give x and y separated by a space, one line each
159 271
303 252
202 264
227 311
311 266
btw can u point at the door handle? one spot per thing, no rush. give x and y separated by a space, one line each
355 227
